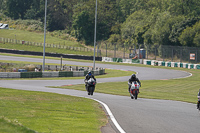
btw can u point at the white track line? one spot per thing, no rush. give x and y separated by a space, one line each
111 116
109 113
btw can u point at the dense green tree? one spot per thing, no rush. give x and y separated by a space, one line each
84 27
191 36
135 26
181 24
18 8
106 16
56 18
36 10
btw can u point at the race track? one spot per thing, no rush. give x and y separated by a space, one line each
133 116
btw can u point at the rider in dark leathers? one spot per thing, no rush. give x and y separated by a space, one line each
87 77
132 79
198 102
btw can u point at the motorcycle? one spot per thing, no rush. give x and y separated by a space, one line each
90 86
198 102
134 90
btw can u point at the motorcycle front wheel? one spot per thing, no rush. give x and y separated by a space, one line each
90 90
136 94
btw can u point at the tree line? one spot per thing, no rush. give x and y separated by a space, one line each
156 22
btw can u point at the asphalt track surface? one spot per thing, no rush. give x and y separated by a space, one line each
133 116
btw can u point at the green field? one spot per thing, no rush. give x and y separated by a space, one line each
27 112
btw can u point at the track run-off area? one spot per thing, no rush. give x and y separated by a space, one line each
126 115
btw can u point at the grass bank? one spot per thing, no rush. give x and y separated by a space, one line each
27 112
26 47
36 37
39 38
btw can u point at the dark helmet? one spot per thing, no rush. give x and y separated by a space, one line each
133 76
89 73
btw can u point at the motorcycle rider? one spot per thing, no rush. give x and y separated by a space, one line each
132 79
198 102
87 77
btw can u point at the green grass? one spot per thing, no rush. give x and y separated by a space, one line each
36 37
27 111
39 38
26 47
8 126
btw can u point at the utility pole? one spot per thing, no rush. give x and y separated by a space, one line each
95 35
45 19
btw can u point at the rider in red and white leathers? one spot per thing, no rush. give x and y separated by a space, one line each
132 79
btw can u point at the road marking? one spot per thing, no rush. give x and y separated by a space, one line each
111 116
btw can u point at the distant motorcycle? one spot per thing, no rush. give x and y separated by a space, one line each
90 86
134 90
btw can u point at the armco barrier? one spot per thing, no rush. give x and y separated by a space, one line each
48 74
66 74
96 72
31 74
78 73
101 72
9 74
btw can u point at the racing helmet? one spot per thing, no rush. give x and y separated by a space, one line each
133 76
89 73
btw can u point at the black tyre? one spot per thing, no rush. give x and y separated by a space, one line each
91 90
136 94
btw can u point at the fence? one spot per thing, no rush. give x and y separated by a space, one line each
124 51
60 46
152 52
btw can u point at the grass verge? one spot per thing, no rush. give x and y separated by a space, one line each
27 111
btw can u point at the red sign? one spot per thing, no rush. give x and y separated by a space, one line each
192 56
